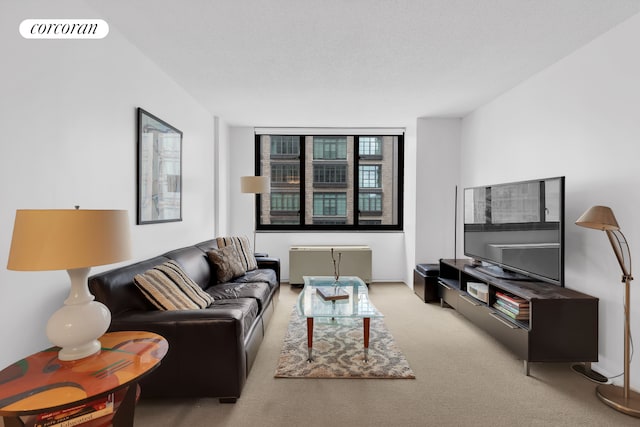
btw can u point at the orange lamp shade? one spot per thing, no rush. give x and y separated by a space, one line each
62 239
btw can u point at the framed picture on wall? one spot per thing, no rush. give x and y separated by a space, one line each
159 170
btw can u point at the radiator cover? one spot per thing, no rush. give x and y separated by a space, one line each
316 261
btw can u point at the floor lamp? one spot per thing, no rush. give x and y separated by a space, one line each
254 185
601 218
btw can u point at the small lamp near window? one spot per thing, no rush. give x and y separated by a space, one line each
254 185
602 218
74 240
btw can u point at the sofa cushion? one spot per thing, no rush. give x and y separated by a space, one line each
247 306
168 287
244 249
258 291
260 275
226 262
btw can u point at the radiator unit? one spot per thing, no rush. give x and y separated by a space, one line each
316 261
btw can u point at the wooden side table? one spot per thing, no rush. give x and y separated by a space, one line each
42 383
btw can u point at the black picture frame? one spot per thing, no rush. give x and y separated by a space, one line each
159 170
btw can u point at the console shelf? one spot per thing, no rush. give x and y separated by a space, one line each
554 324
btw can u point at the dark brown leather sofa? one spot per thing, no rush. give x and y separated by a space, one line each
211 350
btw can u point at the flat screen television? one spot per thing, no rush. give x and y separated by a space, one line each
516 230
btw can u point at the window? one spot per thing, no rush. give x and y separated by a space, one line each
371 147
370 203
285 174
370 176
329 148
285 146
329 204
284 208
329 175
330 182
285 202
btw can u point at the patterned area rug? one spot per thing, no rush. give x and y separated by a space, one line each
338 351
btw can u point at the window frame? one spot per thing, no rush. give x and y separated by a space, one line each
354 202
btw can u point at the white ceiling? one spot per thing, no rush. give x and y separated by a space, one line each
355 62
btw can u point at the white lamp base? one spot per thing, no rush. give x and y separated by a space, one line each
76 327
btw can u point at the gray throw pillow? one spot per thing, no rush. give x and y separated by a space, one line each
227 263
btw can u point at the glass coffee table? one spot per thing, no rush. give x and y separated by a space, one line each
328 299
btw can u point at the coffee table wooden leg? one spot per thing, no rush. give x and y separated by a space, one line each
366 323
310 338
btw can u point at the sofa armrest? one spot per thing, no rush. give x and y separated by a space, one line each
271 263
215 337
176 325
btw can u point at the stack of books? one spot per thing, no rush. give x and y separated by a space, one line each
78 414
515 307
331 293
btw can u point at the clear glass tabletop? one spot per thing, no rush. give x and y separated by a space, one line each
354 302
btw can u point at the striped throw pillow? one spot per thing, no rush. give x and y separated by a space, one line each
244 249
168 287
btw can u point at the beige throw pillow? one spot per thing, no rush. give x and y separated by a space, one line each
227 262
168 287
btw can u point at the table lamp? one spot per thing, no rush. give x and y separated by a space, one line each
602 218
255 185
74 240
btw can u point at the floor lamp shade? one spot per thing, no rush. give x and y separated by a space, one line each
254 184
599 218
74 240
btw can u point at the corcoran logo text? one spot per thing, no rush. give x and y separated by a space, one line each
64 29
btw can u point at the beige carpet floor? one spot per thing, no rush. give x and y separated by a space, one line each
463 378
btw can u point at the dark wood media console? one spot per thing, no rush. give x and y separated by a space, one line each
561 325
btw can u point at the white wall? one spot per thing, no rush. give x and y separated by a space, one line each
68 119
437 177
579 118
221 184
392 252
